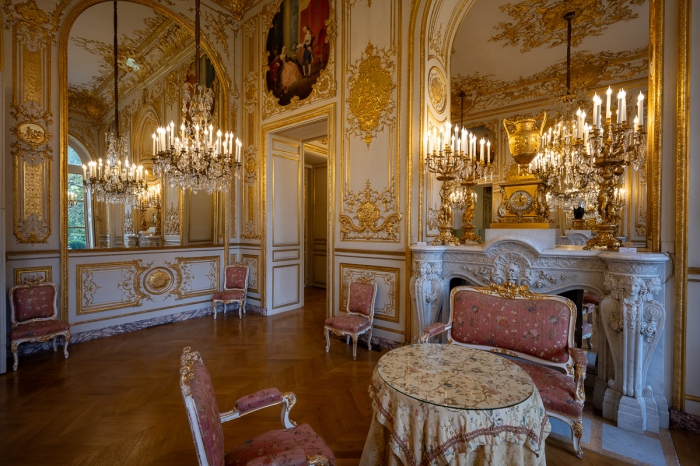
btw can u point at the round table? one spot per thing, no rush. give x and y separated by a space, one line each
448 404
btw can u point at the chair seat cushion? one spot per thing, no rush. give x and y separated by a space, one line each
348 323
38 329
587 329
556 389
277 441
229 295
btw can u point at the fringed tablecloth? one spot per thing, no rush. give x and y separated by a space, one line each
446 404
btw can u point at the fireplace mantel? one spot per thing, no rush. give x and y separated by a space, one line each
630 322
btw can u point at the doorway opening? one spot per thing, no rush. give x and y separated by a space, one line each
300 203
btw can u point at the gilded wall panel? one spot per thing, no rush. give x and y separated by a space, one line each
31 76
370 203
23 274
386 306
194 276
253 263
124 290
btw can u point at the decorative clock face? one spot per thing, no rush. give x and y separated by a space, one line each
520 200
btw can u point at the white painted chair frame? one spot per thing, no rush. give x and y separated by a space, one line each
348 334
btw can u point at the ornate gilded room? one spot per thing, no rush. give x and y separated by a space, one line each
383 232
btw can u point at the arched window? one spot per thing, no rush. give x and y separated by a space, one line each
77 233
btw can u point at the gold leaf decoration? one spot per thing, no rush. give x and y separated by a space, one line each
541 22
436 89
587 70
371 86
370 221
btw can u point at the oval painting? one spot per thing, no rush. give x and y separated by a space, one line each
297 51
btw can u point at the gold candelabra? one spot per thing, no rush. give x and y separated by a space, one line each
614 147
445 164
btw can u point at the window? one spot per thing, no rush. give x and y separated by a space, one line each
77 238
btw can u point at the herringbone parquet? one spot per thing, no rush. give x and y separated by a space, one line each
117 400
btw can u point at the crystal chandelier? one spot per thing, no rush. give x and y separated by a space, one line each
582 164
199 157
118 181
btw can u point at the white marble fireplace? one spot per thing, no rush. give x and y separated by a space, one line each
629 388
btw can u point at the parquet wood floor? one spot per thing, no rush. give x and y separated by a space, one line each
117 400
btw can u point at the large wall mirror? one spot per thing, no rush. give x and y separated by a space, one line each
518 70
155 58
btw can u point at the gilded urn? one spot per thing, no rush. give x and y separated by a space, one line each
524 138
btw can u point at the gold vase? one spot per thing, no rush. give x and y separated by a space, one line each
524 139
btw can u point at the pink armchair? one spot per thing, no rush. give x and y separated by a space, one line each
294 446
536 330
359 318
34 316
235 288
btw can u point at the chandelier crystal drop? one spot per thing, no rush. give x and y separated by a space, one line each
118 181
198 156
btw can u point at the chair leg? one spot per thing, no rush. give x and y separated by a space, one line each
14 348
54 343
65 345
347 339
588 342
354 347
214 308
328 340
577 433
240 309
369 340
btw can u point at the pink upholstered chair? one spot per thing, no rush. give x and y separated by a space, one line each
359 318
235 288
292 445
34 316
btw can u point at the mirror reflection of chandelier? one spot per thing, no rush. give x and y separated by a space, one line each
117 181
198 156
582 164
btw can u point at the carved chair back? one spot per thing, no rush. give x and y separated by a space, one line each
202 409
236 277
361 297
514 321
33 302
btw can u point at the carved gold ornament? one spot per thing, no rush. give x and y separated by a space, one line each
588 70
158 280
436 89
90 299
250 92
371 86
541 22
370 222
186 269
25 275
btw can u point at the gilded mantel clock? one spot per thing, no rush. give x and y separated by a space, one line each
523 195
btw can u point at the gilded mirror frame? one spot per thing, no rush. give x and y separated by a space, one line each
66 27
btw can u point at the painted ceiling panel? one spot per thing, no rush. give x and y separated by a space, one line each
507 51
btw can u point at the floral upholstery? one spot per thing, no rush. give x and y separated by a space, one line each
279 441
587 328
348 323
556 389
536 327
208 414
33 302
431 330
236 277
258 400
295 457
579 356
361 298
229 295
38 329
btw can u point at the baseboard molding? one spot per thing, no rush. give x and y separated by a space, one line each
685 421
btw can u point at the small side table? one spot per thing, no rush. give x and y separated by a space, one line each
447 404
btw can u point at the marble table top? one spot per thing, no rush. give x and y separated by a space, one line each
453 376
